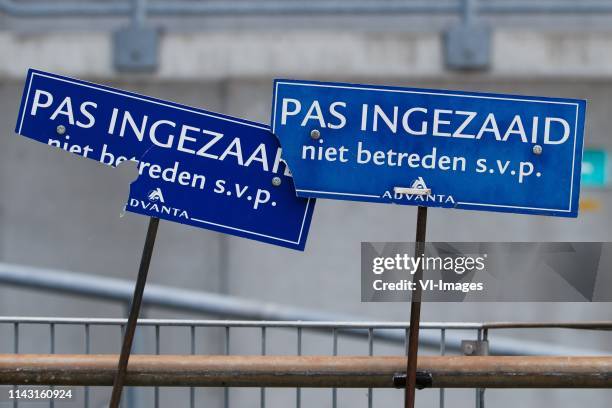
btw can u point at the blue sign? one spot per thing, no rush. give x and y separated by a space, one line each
434 148
195 167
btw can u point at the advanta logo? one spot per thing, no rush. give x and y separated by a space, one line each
155 204
419 183
419 197
156 195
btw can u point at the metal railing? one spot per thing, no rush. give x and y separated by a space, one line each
305 332
142 8
103 288
300 331
246 338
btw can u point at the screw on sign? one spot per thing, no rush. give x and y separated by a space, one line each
537 149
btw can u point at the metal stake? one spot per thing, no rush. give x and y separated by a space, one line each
130 328
415 310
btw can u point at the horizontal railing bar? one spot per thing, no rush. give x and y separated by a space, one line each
543 7
281 7
229 8
593 325
101 287
72 9
308 371
365 325
304 7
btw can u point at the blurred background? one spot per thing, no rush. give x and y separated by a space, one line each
60 214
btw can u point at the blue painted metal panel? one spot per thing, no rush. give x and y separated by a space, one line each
195 167
477 151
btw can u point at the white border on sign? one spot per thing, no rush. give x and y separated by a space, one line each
157 102
359 88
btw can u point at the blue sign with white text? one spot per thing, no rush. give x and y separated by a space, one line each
434 148
195 167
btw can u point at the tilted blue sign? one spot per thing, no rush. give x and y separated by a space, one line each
195 167
434 148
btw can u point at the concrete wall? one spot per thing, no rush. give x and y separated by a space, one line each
379 56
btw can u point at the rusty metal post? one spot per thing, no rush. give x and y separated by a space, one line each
415 310
130 328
